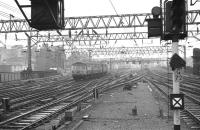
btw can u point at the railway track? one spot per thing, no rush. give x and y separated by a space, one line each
23 88
192 99
37 97
46 112
39 115
46 90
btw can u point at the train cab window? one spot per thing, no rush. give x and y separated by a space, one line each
78 67
73 67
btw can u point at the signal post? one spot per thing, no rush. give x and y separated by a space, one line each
176 84
176 98
175 29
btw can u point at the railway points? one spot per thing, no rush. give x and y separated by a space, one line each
115 89
115 110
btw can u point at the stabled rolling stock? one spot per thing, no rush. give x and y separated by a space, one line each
86 70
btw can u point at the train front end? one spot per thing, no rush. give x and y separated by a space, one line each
79 70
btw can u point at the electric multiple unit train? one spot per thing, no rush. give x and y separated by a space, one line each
86 70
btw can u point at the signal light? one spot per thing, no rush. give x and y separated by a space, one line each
47 14
175 20
175 16
178 13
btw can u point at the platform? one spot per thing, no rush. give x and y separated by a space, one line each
115 110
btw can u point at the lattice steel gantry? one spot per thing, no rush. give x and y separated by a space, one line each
128 51
96 22
136 22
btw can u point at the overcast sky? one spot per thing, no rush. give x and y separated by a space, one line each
104 7
93 7
75 8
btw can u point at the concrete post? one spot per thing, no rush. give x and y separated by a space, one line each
176 84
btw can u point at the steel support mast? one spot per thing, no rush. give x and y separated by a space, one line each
29 68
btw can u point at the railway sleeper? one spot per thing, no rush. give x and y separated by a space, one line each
65 118
195 127
11 127
189 120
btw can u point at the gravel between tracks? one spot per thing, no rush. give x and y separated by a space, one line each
113 111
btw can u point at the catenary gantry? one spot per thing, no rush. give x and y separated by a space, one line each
97 37
128 51
96 22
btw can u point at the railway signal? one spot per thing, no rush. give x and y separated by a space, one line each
175 29
175 19
155 24
47 14
178 15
